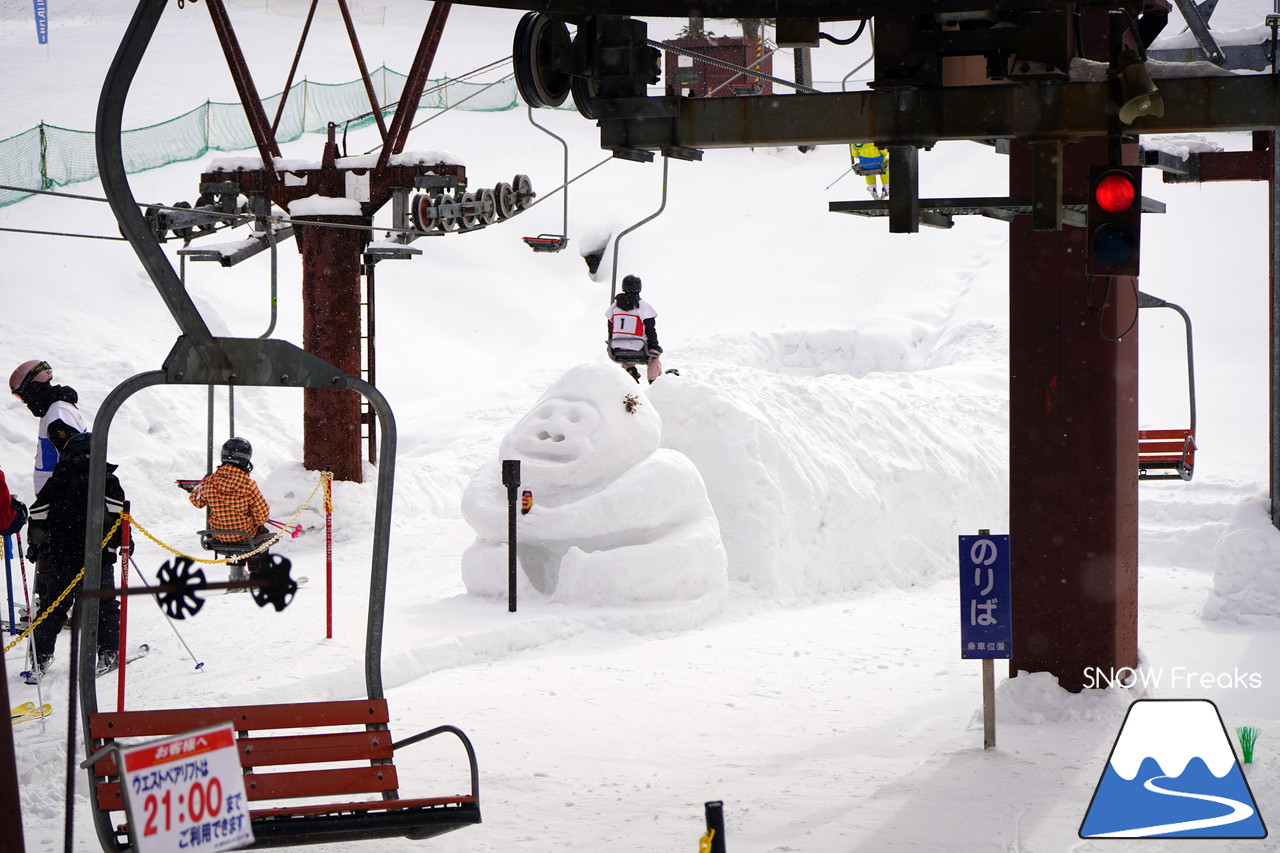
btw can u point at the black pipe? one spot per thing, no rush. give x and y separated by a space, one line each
715 825
511 479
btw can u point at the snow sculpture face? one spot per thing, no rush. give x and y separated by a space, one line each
580 434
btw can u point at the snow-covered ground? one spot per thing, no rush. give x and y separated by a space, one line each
842 395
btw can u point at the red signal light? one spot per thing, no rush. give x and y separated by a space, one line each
1114 193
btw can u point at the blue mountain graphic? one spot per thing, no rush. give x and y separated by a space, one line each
1120 804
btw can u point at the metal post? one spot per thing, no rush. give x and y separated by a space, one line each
1275 326
10 800
208 466
988 703
511 479
715 826
328 558
124 606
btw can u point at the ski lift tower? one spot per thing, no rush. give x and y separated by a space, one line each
334 225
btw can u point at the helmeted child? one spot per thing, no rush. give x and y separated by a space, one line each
632 328
56 540
235 503
870 162
54 405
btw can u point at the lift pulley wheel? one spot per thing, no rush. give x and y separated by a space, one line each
488 206
541 58
506 198
469 217
446 212
423 211
524 191
182 599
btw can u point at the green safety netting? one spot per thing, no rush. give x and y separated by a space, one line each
47 156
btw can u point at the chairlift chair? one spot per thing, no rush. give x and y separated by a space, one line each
1170 454
627 356
551 242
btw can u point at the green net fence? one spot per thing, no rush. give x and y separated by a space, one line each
47 156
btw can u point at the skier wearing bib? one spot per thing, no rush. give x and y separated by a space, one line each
632 328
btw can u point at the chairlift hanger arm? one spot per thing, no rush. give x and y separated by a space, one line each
115 183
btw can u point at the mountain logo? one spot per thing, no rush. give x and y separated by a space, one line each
1172 774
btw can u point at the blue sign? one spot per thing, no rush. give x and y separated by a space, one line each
42 20
986 621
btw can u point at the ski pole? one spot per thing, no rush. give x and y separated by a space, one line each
22 564
143 575
294 532
837 180
8 577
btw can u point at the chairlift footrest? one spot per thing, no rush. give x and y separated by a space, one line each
546 242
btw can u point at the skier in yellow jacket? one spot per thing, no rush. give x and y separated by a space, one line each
870 161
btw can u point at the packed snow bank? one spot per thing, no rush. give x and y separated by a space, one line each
1246 562
830 465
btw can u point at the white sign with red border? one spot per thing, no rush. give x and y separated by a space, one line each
186 793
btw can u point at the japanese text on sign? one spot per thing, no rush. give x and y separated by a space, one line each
187 793
986 623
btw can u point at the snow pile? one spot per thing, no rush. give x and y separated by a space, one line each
615 518
1034 698
823 480
1246 561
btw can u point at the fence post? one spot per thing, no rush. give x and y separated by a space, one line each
44 158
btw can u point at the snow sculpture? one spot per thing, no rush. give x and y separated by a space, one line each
614 518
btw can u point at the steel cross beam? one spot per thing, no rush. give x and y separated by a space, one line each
1031 112
832 10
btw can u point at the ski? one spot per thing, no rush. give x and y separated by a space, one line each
140 653
24 708
32 713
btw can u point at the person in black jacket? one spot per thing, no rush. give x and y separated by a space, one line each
55 536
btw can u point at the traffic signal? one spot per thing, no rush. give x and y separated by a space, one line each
1114 220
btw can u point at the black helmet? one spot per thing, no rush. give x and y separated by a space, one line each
631 284
237 452
77 447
